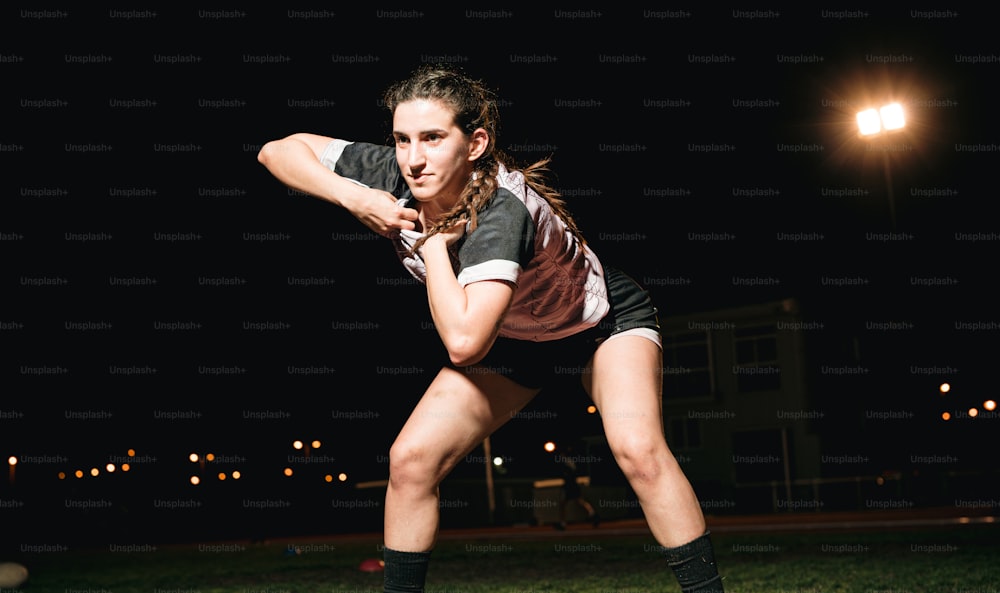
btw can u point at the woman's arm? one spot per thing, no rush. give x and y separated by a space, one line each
467 318
294 160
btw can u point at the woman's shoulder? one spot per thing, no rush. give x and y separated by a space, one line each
512 180
373 165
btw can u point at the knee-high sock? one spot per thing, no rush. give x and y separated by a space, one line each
405 572
694 566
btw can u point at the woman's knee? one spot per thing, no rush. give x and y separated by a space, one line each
414 465
642 457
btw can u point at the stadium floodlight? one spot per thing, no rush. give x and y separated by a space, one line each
868 122
873 126
886 118
892 116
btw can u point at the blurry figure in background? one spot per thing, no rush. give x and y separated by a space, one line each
572 493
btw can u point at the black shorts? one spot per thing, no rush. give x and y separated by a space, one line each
544 364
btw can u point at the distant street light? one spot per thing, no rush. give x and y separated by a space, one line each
305 447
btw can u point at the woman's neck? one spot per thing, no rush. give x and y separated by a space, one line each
432 211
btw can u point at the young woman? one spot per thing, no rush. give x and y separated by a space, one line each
516 296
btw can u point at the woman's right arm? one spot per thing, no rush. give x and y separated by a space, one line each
294 160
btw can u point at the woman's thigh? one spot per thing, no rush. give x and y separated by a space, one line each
459 409
625 381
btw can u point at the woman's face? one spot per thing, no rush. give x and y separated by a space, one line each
434 154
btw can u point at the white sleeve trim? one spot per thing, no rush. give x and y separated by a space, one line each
496 269
331 154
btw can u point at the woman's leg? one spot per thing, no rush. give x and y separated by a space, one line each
625 383
457 412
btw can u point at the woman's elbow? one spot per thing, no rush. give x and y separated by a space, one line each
266 153
463 353
273 149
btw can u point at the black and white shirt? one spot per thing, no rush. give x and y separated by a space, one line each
560 288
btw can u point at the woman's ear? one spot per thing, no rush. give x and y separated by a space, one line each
478 144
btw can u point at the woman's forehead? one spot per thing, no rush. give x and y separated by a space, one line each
422 112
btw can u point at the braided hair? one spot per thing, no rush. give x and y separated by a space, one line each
474 106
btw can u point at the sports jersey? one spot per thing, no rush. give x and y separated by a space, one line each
559 282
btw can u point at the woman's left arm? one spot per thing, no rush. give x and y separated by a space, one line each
467 318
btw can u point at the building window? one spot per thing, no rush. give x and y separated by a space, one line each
687 366
683 434
756 359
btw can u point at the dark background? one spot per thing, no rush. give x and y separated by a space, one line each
152 271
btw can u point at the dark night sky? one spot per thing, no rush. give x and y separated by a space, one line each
132 200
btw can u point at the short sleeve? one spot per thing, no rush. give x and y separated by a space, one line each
502 244
370 164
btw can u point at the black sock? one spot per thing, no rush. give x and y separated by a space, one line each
694 566
405 572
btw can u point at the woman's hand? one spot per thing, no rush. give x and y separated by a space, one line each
295 161
451 234
384 214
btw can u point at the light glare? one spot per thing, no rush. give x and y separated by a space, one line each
868 122
886 118
892 116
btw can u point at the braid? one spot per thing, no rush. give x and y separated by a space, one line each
535 175
476 196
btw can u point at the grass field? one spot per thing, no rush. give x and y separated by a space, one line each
957 559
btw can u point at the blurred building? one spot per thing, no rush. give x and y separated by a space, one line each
738 410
